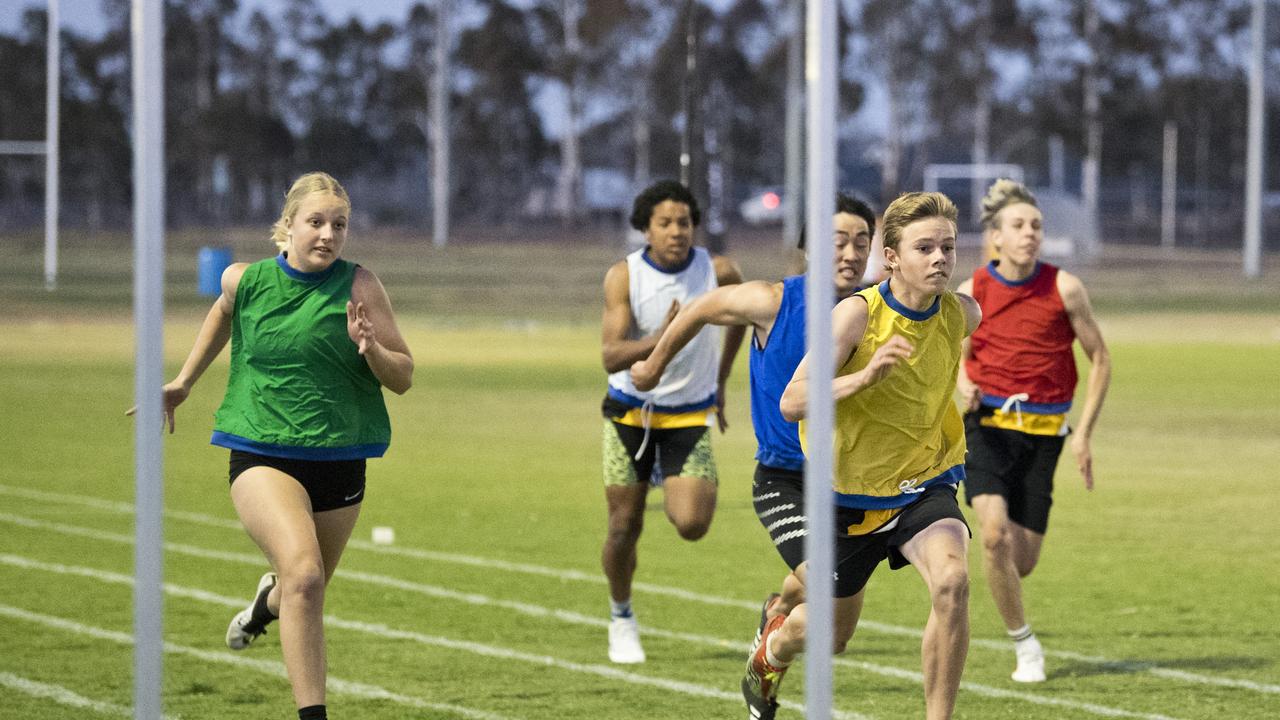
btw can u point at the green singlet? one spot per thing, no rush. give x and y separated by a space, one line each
298 386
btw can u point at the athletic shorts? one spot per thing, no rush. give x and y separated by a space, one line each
858 555
673 452
1014 465
331 484
778 497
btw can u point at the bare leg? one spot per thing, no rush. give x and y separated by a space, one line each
999 555
939 554
789 640
626 520
276 512
690 503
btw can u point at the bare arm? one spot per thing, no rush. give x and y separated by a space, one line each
371 324
616 349
214 333
752 303
1080 313
970 394
848 324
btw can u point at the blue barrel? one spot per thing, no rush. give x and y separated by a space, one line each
210 263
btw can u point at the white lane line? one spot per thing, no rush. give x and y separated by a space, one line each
575 618
64 696
269 667
1131 666
383 631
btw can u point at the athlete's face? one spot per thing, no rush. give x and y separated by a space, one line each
925 256
1019 235
670 233
318 232
853 244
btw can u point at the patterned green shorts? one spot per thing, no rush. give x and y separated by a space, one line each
677 452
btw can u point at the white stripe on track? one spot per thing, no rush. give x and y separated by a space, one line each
662 590
576 618
383 631
64 696
269 667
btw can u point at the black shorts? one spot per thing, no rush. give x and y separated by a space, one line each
778 497
1014 465
331 484
858 555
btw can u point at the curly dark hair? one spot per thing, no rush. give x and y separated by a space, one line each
655 194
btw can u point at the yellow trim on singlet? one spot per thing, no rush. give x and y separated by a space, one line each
1029 423
666 421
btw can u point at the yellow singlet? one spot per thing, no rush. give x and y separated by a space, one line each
903 433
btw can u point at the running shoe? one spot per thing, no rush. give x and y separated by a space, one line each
761 681
1030 667
243 630
624 641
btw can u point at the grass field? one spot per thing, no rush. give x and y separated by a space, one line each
1157 595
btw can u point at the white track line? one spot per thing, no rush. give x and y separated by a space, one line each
383 631
64 696
575 618
268 667
663 590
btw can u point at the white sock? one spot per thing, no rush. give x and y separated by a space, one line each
620 609
1022 634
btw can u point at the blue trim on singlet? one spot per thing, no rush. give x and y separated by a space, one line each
669 271
297 274
903 310
996 401
635 402
293 452
991 268
951 476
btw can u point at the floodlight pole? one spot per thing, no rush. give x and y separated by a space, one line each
148 314
794 189
820 205
1253 171
53 81
1169 188
440 128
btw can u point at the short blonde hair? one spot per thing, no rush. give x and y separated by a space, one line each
312 182
1003 193
913 206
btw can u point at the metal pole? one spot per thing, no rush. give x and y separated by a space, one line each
820 205
686 94
148 314
794 190
53 82
1092 169
1253 171
1169 187
440 129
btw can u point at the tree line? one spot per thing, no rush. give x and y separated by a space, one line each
548 96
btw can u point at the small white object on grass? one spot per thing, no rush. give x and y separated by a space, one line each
383 535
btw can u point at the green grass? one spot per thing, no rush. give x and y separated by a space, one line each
492 486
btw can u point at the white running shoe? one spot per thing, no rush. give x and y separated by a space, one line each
242 631
1030 661
624 641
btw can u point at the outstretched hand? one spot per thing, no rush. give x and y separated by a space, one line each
173 395
359 327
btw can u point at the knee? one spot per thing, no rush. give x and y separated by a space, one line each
692 529
997 540
302 580
951 588
624 529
